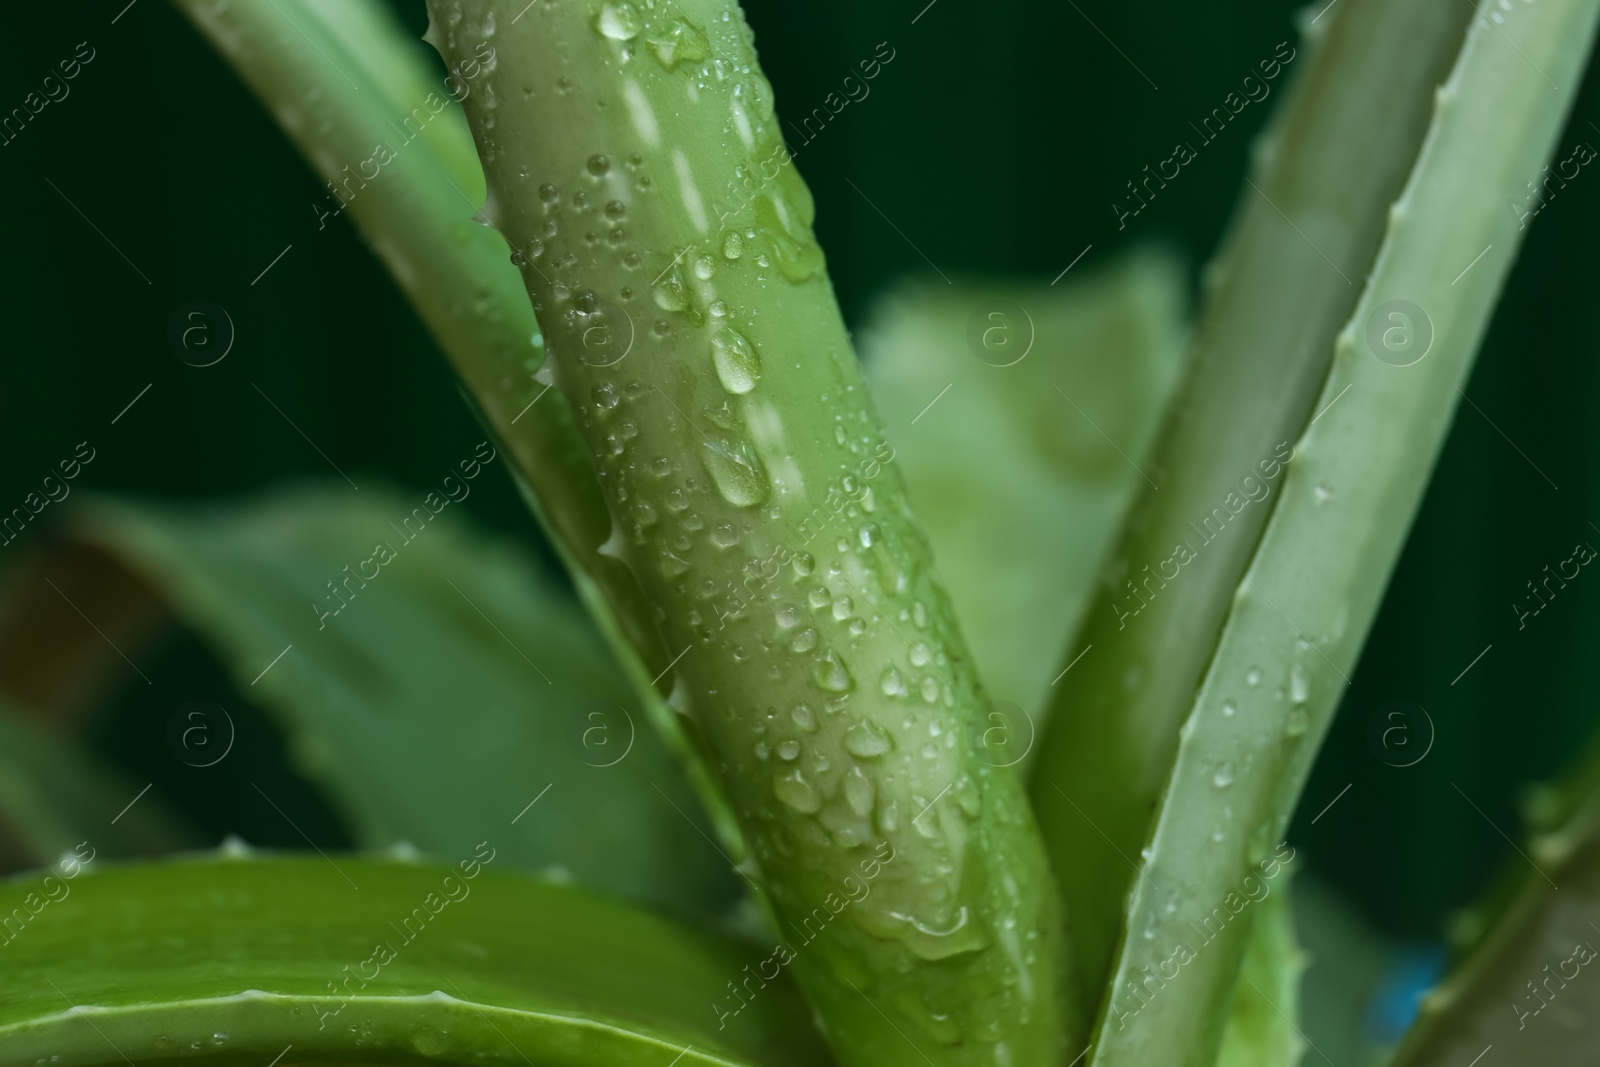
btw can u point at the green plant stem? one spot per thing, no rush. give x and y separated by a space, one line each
340 97
1300 615
1306 234
693 331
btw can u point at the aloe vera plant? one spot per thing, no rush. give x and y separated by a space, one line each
595 212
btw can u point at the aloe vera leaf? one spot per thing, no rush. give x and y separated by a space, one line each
817 652
419 217
1020 503
1261 1029
1301 613
53 796
1286 281
453 663
241 959
391 61
1521 981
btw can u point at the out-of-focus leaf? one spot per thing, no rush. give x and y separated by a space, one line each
1347 961
1266 1002
444 692
53 796
1021 473
247 961
1528 981
421 96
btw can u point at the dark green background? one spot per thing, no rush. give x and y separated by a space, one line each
996 140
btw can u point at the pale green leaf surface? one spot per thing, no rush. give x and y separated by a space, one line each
421 98
452 690
244 959
814 669
1021 494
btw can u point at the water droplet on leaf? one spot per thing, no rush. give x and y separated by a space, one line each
737 362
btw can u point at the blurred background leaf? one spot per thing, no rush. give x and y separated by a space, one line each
1019 493
54 797
429 680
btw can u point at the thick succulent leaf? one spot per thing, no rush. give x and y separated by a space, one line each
451 689
400 68
1019 493
1262 1031
53 796
817 654
248 960
1309 223
423 223
1297 621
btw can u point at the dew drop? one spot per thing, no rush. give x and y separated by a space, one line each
804 717
859 792
1223 776
1253 676
1228 709
598 165
681 42
733 246
789 616
669 292
865 741
789 750
619 20
893 683
738 474
804 641
1299 685
832 675
737 362
795 791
